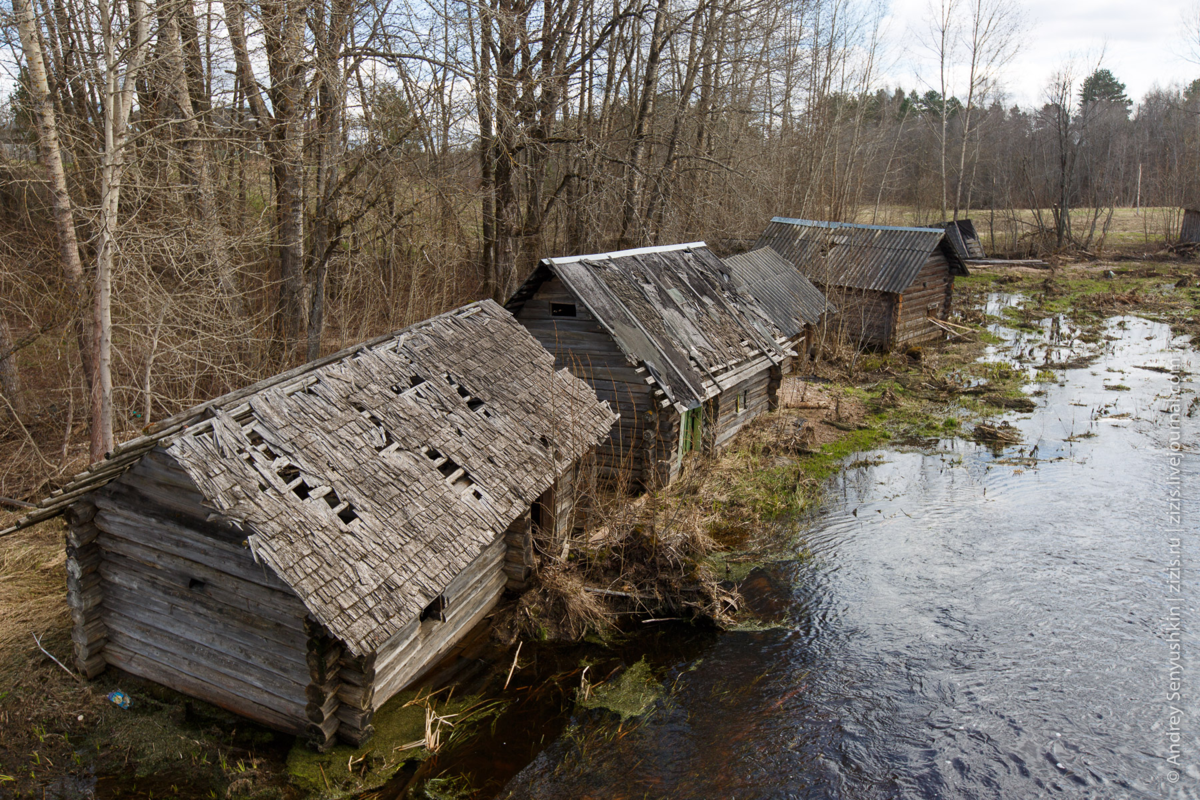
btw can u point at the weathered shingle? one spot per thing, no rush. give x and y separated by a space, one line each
670 309
367 481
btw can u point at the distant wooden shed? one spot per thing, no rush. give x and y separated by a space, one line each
964 239
671 338
888 283
299 551
1189 231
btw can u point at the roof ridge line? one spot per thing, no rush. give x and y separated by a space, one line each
637 251
832 225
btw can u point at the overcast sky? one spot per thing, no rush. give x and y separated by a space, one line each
1142 42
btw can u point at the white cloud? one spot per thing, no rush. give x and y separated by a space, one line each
1142 42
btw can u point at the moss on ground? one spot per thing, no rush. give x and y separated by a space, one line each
630 695
401 727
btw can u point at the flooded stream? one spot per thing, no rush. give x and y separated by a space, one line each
958 622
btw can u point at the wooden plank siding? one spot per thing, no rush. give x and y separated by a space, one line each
420 644
929 295
580 344
192 611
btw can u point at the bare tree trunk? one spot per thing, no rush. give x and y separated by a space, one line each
330 37
61 207
10 376
631 224
117 108
205 213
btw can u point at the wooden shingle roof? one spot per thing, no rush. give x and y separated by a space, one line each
877 258
369 481
670 309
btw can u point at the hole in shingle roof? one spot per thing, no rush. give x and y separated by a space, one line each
448 468
474 404
436 610
302 490
288 472
348 514
331 497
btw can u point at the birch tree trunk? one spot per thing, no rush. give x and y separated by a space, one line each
46 123
119 89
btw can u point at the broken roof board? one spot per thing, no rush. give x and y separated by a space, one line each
668 308
877 258
789 297
372 480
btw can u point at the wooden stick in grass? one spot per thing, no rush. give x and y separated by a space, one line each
513 668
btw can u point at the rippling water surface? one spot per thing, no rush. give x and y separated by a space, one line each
964 623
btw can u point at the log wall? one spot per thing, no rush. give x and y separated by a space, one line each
581 345
865 318
419 645
929 295
194 611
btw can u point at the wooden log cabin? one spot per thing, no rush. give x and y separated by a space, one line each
299 551
676 344
891 285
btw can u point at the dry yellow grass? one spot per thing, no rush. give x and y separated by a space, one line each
1130 227
32 592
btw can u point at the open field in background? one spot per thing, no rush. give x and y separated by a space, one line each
1015 230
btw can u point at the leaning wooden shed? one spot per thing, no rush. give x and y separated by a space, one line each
890 284
795 305
299 551
964 239
683 352
1189 230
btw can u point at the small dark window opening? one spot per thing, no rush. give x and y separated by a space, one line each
196 585
436 610
563 310
348 514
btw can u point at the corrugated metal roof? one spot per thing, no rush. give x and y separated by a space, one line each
668 308
789 297
877 258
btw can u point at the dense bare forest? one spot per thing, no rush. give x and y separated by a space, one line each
197 194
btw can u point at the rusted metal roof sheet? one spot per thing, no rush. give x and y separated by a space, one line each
670 309
369 480
789 297
876 258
